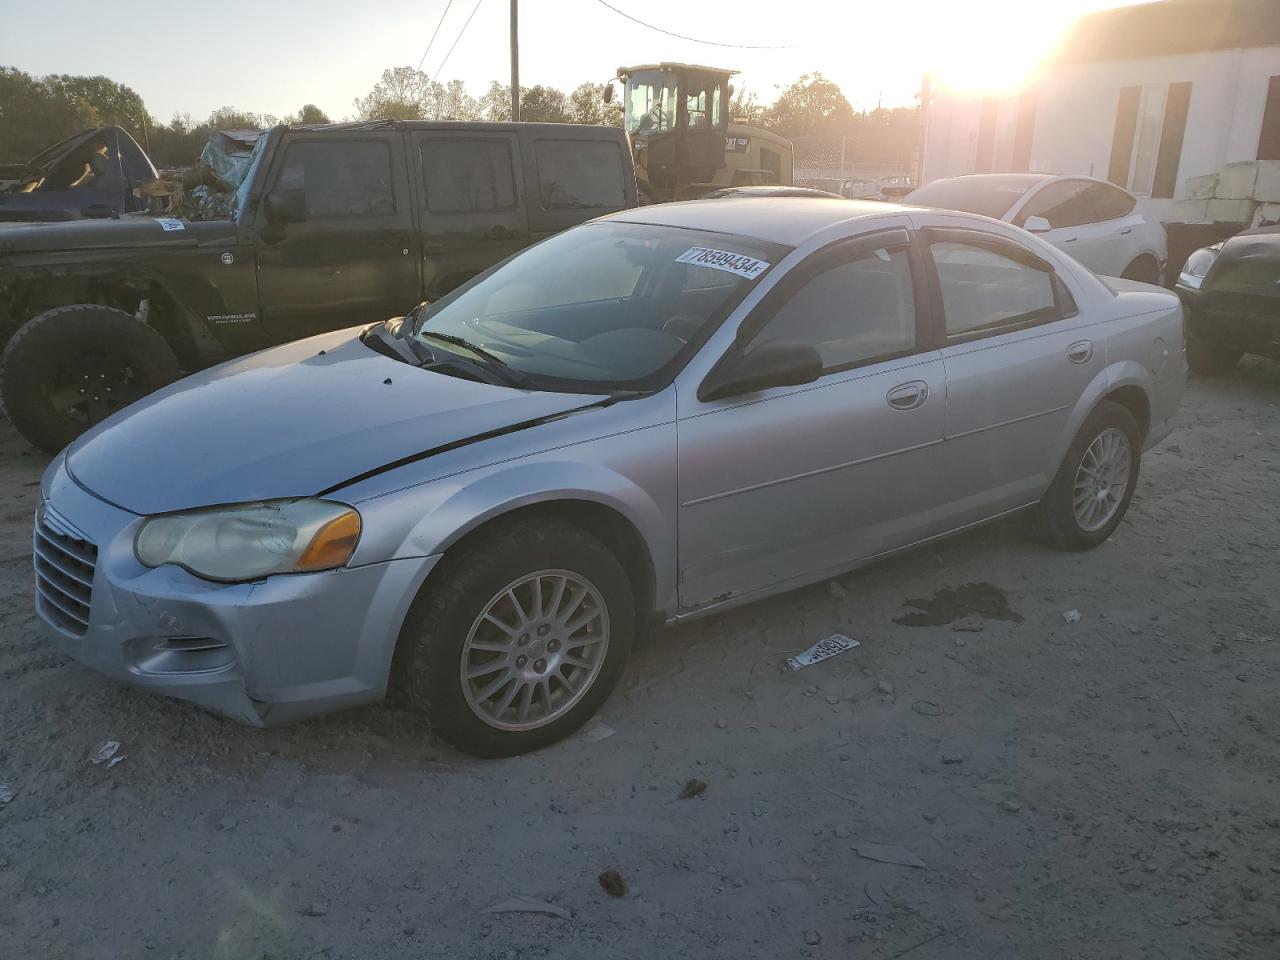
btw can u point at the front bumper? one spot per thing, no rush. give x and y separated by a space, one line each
262 653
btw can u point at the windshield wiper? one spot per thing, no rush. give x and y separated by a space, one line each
492 363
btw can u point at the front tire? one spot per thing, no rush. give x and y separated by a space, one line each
1095 483
70 367
517 638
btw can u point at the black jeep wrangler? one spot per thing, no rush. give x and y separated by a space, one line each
333 226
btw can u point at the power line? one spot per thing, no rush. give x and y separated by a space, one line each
440 69
681 36
439 24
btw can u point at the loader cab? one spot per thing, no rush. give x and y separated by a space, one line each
677 116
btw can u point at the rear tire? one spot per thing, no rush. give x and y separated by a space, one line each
1210 359
1095 483
478 620
1143 269
70 367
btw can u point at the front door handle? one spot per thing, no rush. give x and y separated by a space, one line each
1070 239
908 396
1080 352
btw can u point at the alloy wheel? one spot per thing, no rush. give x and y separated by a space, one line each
1102 479
535 649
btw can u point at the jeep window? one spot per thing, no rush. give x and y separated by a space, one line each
603 306
578 174
467 176
341 178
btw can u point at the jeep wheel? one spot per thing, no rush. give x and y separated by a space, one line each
70 367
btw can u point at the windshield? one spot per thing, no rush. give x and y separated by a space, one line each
986 196
607 305
651 102
246 185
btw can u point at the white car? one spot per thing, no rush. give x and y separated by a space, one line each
1102 226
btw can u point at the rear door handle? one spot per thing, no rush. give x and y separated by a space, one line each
1080 352
1126 231
908 396
1070 239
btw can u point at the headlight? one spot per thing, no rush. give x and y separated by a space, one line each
252 540
1197 266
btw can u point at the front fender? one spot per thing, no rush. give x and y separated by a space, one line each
439 514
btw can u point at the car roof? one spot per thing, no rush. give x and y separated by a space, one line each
786 220
1026 180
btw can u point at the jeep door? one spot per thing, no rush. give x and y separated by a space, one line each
471 203
353 259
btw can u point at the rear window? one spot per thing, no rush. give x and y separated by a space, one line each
468 176
578 174
987 197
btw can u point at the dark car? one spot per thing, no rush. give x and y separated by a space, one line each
90 174
1232 294
332 226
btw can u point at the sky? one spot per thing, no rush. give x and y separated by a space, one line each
272 56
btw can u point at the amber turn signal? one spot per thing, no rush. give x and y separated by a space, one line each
333 544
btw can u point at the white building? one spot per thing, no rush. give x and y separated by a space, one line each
1144 96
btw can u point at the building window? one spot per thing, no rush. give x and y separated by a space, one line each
1147 144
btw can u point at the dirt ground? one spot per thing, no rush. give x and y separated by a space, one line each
1094 789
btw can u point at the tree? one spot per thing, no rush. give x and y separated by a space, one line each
309 113
543 104
403 93
454 103
745 108
813 104
495 105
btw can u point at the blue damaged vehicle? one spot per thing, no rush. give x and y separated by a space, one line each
648 418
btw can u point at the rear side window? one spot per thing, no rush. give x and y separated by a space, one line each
1063 204
983 290
579 174
1110 203
468 176
341 178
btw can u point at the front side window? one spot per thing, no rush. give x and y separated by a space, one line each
853 311
579 174
341 178
608 305
984 290
468 176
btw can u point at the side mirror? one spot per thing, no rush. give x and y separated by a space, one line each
607 95
1037 225
286 206
779 363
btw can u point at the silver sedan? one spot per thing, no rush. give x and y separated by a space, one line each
649 418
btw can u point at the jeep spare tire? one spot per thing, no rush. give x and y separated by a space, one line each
71 367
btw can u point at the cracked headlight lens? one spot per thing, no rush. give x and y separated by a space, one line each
252 540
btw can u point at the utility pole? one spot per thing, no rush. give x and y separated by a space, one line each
515 61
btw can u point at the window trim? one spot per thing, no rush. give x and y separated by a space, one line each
1064 302
328 141
435 141
1029 198
833 254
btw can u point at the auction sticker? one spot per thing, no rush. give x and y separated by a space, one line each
741 264
169 224
829 647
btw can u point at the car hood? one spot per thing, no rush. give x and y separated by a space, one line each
289 422
128 232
